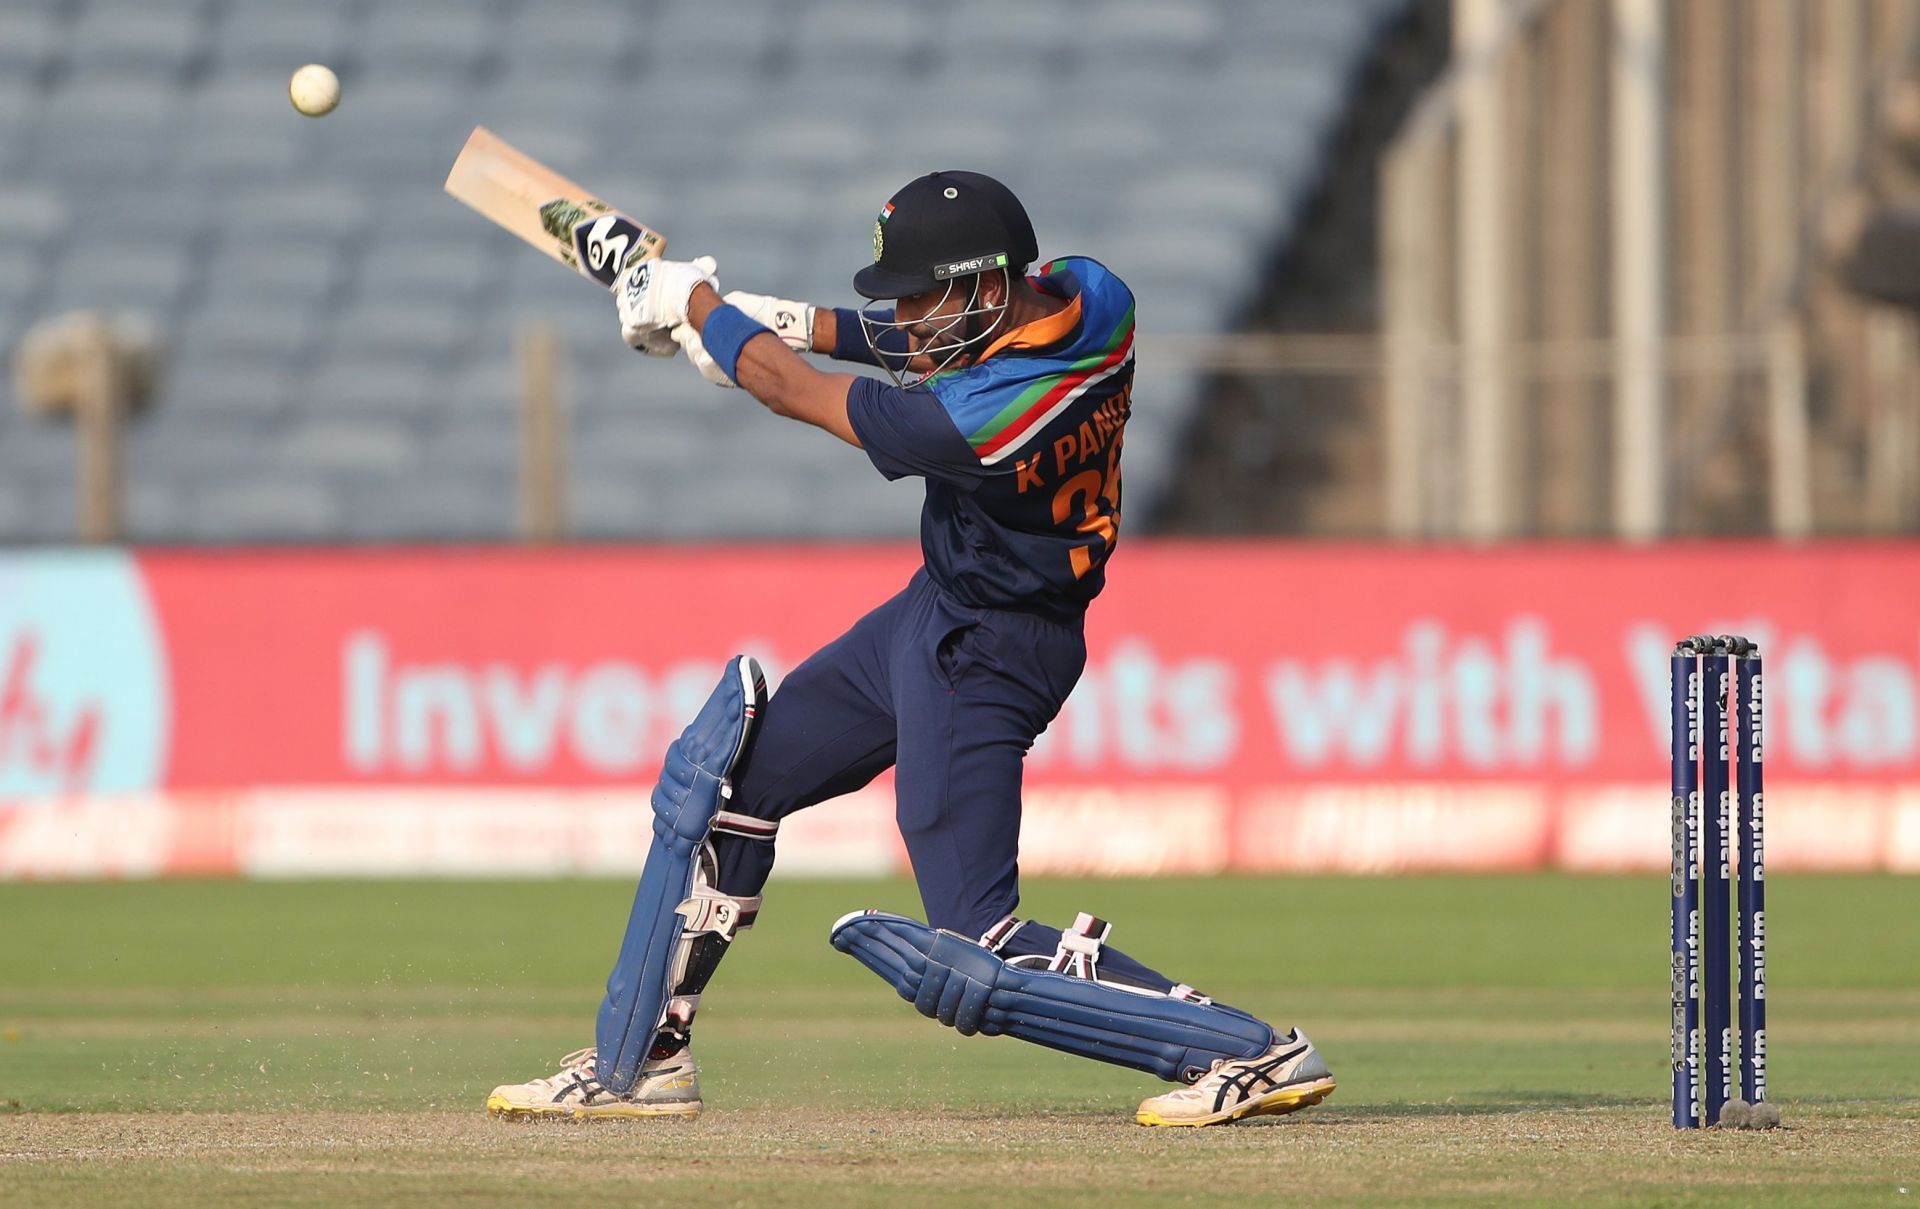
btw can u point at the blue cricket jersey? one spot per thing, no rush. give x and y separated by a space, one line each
1020 449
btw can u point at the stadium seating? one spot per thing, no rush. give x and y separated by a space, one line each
341 334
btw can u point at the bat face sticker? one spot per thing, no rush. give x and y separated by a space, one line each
603 245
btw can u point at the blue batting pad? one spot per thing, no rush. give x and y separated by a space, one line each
685 800
966 987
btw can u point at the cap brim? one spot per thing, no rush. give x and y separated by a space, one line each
876 282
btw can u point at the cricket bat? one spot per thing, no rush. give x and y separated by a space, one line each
549 211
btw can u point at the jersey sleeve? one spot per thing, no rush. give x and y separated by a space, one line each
908 432
850 340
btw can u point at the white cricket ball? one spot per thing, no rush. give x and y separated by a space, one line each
314 90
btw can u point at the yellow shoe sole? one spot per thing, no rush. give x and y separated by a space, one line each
1277 1103
501 1107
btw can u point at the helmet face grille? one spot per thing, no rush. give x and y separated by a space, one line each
892 341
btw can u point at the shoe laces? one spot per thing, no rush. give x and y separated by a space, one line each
579 1062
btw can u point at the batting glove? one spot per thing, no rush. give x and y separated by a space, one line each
697 353
791 321
652 296
655 344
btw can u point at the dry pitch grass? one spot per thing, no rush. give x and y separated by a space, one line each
1497 1039
829 1156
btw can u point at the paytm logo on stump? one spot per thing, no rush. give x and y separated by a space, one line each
83 681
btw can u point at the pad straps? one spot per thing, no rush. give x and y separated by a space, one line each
995 938
709 920
1078 954
723 915
728 822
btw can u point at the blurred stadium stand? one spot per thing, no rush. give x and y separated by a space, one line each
341 333
1281 448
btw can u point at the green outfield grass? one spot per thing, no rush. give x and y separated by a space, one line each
1493 1037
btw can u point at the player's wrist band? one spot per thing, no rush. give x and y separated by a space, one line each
849 338
726 332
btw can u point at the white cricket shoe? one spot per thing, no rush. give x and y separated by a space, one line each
667 1088
1285 1079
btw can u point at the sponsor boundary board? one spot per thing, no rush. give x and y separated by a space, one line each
1246 706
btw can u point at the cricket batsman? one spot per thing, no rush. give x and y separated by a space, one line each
1010 395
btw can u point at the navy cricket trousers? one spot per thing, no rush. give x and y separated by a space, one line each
950 696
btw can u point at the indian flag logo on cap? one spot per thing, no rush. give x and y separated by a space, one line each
878 228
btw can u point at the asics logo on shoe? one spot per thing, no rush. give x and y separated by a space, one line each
1244 1083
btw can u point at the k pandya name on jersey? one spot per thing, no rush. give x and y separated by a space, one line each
1074 449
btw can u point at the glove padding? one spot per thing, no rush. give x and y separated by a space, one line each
688 339
789 320
652 297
